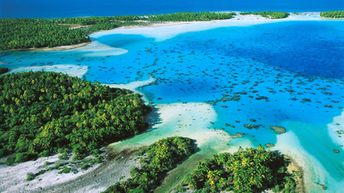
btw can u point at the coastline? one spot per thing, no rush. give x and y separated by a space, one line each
177 108
171 29
57 48
69 69
167 30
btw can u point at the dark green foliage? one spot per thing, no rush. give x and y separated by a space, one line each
43 113
268 14
3 70
30 176
248 170
65 170
190 16
332 14
157 160
37 33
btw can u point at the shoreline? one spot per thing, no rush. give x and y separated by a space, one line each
57 48
169 30
238 20
213 24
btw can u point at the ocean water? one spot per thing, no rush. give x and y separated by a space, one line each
73 8
289 74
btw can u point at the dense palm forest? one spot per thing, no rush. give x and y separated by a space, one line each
43 113
248 170
268 14
332 14
38 33
189 16
156 161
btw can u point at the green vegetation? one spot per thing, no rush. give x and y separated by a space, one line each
332 14
248 170
30 176
3 70
43 113
156 161
189 16
38 33
268 14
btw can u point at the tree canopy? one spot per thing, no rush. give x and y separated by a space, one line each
248 170
43 112
268 14
332 14
156 161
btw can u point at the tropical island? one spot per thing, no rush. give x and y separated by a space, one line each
46 114
40 33
75 119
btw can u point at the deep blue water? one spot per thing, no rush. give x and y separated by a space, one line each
270 74
72 8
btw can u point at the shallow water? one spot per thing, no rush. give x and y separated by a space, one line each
289 74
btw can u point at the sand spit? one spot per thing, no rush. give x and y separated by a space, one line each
289 145
69 69
58 48
193 120
167 30
133 86
97 49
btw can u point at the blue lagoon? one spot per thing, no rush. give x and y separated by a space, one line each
288 74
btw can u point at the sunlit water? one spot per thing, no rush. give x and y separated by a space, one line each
289 74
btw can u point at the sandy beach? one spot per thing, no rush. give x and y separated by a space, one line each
69 69
167 30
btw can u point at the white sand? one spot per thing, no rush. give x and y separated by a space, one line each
133 86
167 30
13 178
336 130
97 49
69 69
289 144
191 120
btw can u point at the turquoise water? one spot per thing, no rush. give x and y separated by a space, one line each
263 75
73 8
